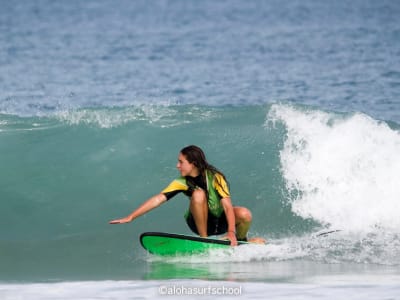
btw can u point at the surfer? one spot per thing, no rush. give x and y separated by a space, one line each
210 210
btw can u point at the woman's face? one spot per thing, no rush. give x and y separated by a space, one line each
185 167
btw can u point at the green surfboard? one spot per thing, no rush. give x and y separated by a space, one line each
170 244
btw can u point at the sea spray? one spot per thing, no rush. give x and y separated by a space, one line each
342 169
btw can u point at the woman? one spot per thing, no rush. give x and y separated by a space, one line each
210 211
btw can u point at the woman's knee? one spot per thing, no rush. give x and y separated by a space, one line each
199 196
243 214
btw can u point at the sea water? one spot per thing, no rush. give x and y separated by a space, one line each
296 101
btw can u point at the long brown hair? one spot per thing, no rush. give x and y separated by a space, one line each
196 156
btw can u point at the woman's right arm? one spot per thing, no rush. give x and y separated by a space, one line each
148 205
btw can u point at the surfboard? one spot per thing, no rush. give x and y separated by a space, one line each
170 244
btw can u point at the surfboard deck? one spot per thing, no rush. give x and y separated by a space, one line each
169 244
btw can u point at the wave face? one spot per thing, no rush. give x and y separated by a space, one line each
299 169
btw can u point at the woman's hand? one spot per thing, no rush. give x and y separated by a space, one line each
121 221
232 237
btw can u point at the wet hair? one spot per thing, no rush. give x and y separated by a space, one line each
196 156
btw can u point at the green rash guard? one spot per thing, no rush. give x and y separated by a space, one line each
216 186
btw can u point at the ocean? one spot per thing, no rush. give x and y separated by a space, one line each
297 102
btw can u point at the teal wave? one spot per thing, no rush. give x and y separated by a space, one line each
65 176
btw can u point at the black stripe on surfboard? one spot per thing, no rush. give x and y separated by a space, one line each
187 237
327 232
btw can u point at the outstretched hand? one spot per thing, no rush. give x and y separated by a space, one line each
120 221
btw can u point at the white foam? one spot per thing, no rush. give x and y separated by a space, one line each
343 288
160 115
108 118
341 171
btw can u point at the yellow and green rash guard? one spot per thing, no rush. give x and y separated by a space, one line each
216 186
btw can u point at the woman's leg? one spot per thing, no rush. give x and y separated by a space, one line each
243 221
199 210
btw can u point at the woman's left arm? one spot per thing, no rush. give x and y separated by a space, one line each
230 217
